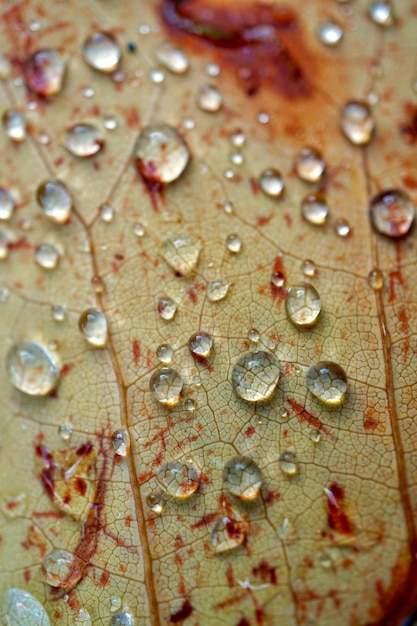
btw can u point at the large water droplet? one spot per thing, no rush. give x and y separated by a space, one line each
161 153
271 182
357 122
200 344
217 290
122 619
288 463
392 212
55 200
31 368
171 57
166 386
83 140
179 480
310 165
56 567
93 325
120 441
209 99
14 124
314 209
327 381
376 279
242 477
20 608
330 33
229 532
44 72
164 353
234 243
303 305
381 13
255 376
167 308
102 52
181 252
7 204
47 256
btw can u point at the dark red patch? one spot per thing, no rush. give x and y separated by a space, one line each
84 449
205 520
230 576
104 578
65 369
243 622
304 416
182 614
21 244
337 517
249 431
265 572
80 486
409 129
193 295
47 473
263 220
27 575
136 351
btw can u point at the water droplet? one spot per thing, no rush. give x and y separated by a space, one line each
303 305
161 153
44 138
278 279
93 325
209 99
167 308
56 568
392 212
138 230
263 118
315 435
234 243
82 617
59 312
107 212
229 532
190 405
179 480
310 165
171 57
102 52
308 268
236 158
342 228
164 353
330 33
217 290
14 124
314 209
254 335
357 122
376 279
5 67
110 123
31 368
55 200
288 463
20 608
166 386
122 619
157 76
83 140
255 376
181 252
97 282
4 294
47 256
228 207
88 91
237 138
44 72
65 432
7 204
200 344
6 240
242 477
213 70
271 182
324 560
381 13
121 442
327 381
188 123
156 502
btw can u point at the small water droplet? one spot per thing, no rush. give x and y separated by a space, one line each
167 308
179 480
44 72
122 619
381 13
271 182
164 353
161 153
44 138
93 325
330 33
229 532
303 305
324 560
310 165
59 312
242 477
213 70
138 229
315 435
181 252
342 228
31 369
254 335
21 608
157 76
188 123
392 212
314 209
97 283
376 279
255 376
83 140
190 405
6 240
5 67
237 138
263 118
308 268
327 381
236 158
357 122
288 463
88 91
102 52
172 58
156 502
110 123
7 204
107 212
217 290
166 386
228 207
57 567
4 294
209 99
121 442
200 344
55 200
47 256
65 432
278 279
14 124
234 243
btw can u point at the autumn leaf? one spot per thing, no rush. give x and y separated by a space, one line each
208 305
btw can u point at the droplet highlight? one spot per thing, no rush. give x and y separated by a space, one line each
381 13
255 376
376 279
330 33
327 382
31 369
234 244
303 305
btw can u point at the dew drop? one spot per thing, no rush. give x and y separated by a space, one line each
228 207
392 212
65 432
44 72
164 353
88 92
310 165
167 308
4 294
237 138
102 52
166 386
31 369
161 153
254 335
55 201
303 305
5 67
157 76
97 283
181 252
234 243
57 567
217 290
188 123
190 405
6 240
213 70
122 619
7 204
288 463
172 58
14 124
327 381
308 268
330 33
47 256
278 279
376 279
242 477
179 480
156 502
342 228
59 312
229 532
107 212
93 325
271 182
236 158
83 140
255 376
110 123
315 435
314 209
138 230
324 560
209 99
263 118
21 608
121 442
357 122
200 344
381 13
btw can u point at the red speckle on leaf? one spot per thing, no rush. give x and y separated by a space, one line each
104 578
182 614
21 244
136 351
249 431
27 575
65 369
337 517
263 220
243 622
265 573
304 416
409 129
84 449
254 185
206 520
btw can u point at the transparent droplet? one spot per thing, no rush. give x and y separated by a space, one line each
278 279
342 228
237 138
156 502
357 122
7 204
324 560
263 118
234 243
217 289
120 442
4 294
31 369
6 240
93 325
188 123
376 279
327 381
44 138
229 532
59 312
178 479
166 386
83 140
122 619
138 230
310 165
242 477
97 282
167 308
47 256
200 344
157 76
271 182
88 91
255 376
308 267
190 405
254 335
5 67
65 432
181 252
44 72
229 173
392 212
288 463
57 567
14 124
82 618
209 99
164 353
107 212
236 158
314 209
172 58
213 70
161 153
228 207
102 52
315 435
330 33
303 305
381 13
55 200
21 608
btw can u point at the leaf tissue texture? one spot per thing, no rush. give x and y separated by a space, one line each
163 460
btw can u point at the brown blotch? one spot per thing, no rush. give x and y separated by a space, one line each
136 351
265 572
409 129
337 517
182 614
